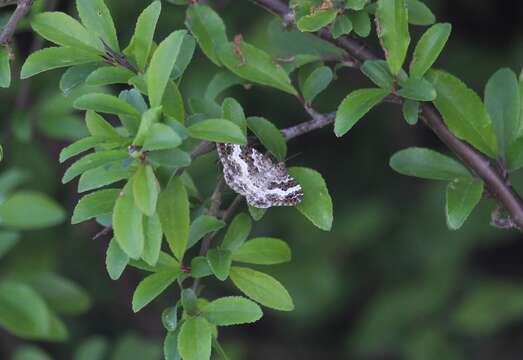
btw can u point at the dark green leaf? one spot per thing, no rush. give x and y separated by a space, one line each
417 89
220 82
189 301
108 75
316 82
201 226
106 104
361 23
78 147
200 267
341 26
462 197
411 111
75 76
233 111
316 20
103 175
269 136
5 68
115 260
378 71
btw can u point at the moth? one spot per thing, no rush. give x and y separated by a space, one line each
260 179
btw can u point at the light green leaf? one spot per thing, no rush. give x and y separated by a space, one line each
170 346
232 310
316 20
8 239
255 65
161 137
428 49
99 127
262 288
108 75
152 286
103 175
208 29
172 103
237 232
184 58
97 19
220 82
220 262
378 71
189 301
355 106
419 13
95 204
200 267
173 158
341 26
128 224
194 340
462 197
256 213
173 210
463 112
503 102
115 260
144 33
233 111
62 29
360 23
153 234
55 57
201 226
91 161
106 104
218 130
78 147
316 204
145 190
75 76
427 164
263 251
417 89
147 120
5 68
316 82
269 136
162 63
515 155
393 31
29 210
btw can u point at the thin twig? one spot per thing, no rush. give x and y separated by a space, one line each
475 161
21 10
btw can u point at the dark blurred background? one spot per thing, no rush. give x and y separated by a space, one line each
389 282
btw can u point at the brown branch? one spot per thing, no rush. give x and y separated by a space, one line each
21 10
474 160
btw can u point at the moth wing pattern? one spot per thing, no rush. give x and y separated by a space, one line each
256 176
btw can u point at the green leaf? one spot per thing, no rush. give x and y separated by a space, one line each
393 31
184 58
29 352
23 312
172 102
97 19
106 104
201 226
316 82
173 210
29 210
208 29
220 82
355 106
78 147
356 4
93 348
170 318
316 20
54 58
75 76
170 346
341 26
417 89
62 29
269 136
411 111
378 72
165 262
515 155
147 120
428 49
237 232
189 301
144 33
115 260
427 164
145 190
256 213
8 239
463 112
255 65
263 251
232 310
316 204
108 75
103 175
91 161
152 286
233 111
462 197
95 204
194 340
152 229
419 13
173 158
200 267
99 127
61 294
503 102
360 22
162 63
262 288
5 68
218 130
128 224
161 137
220 262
